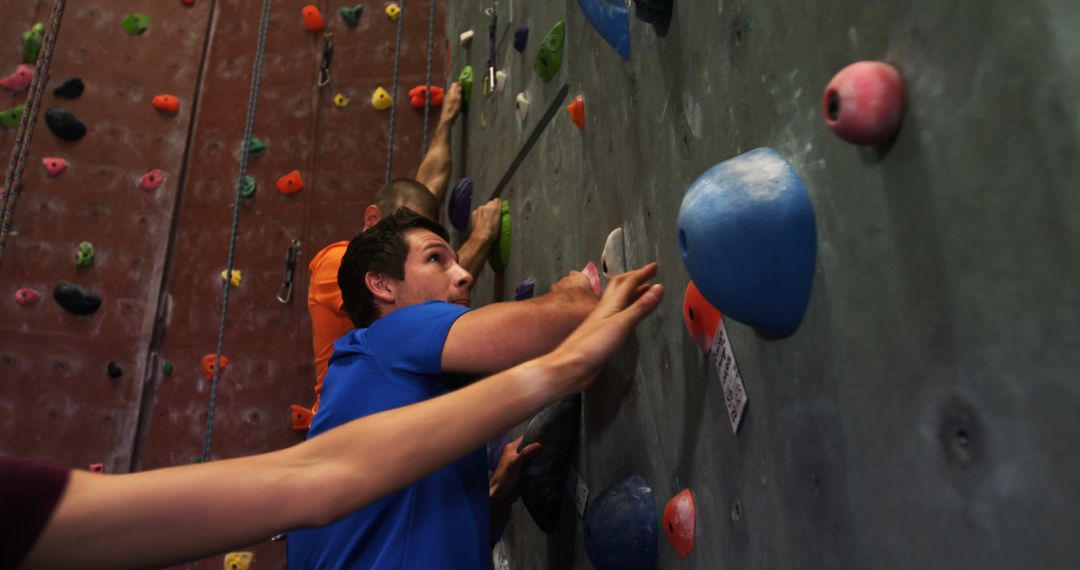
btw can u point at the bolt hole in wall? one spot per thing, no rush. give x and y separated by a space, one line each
834 105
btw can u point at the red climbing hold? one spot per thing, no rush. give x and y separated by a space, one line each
593 274
291 183
301 417
416 96
97 467
54 166
167 104
18 80
680 520
208 365
700 317
187 2
313 20
27 296
864 103
152 180
576 109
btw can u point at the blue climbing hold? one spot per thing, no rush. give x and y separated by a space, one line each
620 527
460 203
748 239
521 38
611 20
525 289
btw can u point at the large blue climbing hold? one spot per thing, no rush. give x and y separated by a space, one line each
748 239
620 527
611 19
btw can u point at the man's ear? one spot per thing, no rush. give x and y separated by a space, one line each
380 287
372 216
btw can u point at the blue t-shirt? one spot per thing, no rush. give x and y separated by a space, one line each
441 521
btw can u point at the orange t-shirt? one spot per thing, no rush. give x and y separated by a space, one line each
329 321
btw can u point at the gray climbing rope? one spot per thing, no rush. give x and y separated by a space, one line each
427 92
393 93
25 134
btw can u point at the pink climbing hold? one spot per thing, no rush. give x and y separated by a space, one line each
593 274
54 166
151 180
27 296
97 467
18 80
864 103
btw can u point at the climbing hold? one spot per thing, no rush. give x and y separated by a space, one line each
461 203
255 145
248 189
27 296
239 560
76 300
613 258
114 370
301 417
416 96
351 15
31 42
500 81
524 290
680 521
521 38
521 106
576 110
70 88
84 255
291 183
237 277
208 365
864 103
11 117
381 100
465 39
747 237
19 79
611 20
167 104
549 58
152 180
341 101
97 467
187 2
466 80
135 23
393 11
54 166
620 527
167 368
700 317
500 253
65 124
593 275
543 476
653 11
313 20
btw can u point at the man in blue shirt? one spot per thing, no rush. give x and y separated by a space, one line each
417 339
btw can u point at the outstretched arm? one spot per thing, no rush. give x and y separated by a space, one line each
167 516
434 171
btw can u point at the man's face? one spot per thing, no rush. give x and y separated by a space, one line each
432 273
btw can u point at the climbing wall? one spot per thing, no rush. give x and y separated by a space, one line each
159 254
923 414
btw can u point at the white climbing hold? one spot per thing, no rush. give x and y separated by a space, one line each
521 105
465 39
613 259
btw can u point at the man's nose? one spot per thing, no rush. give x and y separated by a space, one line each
464 278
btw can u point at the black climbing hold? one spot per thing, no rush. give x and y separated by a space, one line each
653 11
115 371
70 89
65 124
543 477
460 202
521 38
76 300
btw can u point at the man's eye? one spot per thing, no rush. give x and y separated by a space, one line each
434 257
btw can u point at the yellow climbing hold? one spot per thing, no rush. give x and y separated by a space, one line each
236 277
393 11
341 101
239 560
381 100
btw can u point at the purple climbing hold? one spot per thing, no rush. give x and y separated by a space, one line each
524 289
75 299
27 296
521 38
460 203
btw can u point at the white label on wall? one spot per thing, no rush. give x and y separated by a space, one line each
730 379
581 496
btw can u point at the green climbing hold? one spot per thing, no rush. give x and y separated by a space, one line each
352 15
167 368
84 255
197 459
248 190
135 23
11 117
549 59
255 145
31 42
500 254
466 81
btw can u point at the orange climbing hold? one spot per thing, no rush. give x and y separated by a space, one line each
416 96
576 110
291 183
301 417
208 365
167 104
680 522
701 318
313 20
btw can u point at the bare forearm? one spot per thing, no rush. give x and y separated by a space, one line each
474 252
434 171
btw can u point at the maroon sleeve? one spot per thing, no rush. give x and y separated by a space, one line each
29 491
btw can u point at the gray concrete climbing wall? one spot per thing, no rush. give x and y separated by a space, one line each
924 415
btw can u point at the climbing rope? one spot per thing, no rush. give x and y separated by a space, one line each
25 134
249 125
427 91
393 94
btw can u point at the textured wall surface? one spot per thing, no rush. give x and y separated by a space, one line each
924 414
